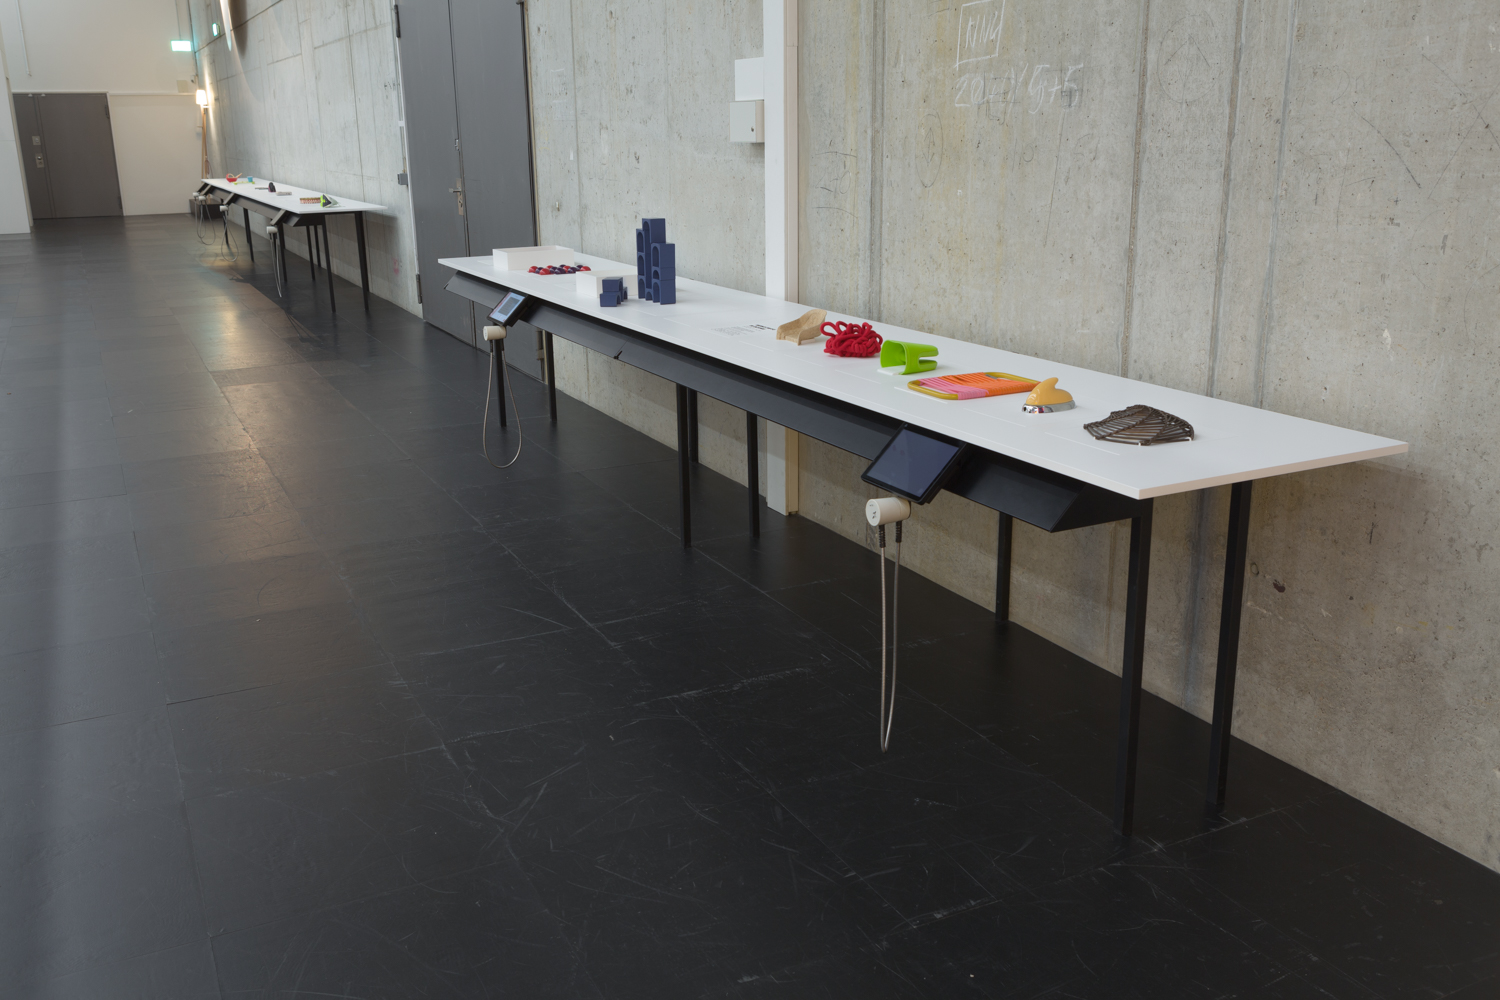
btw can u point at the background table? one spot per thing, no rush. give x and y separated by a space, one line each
1045 469
285 208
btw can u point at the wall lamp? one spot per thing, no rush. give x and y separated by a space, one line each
181 45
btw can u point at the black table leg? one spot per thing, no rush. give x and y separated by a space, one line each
1002 570
693 425
1128 737
249 243
328 266
752 469
499 359
682 466
364 265
281 247
312 259
1229 645
551 374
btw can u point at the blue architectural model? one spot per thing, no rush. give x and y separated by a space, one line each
655 263
614 292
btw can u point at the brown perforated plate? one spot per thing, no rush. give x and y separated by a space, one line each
1141 425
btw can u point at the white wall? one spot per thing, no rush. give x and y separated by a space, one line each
15 209
95 46
156 149
120 48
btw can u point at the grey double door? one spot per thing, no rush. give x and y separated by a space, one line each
468 135
68 151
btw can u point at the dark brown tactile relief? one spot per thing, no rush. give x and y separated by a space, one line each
298 696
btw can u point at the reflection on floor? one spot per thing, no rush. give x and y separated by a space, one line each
299 697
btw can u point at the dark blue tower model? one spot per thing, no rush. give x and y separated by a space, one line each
655 263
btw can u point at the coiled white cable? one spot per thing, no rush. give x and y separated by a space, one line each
494 334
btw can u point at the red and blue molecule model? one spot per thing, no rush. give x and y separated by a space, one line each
558 269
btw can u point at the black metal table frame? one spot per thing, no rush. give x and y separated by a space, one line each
287 218
1014 488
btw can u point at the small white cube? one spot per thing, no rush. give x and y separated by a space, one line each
591 283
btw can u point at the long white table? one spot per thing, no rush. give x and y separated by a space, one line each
723 338
285 209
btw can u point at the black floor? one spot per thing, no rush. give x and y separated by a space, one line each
300 698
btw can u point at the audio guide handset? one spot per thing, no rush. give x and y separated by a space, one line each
505 315
914 465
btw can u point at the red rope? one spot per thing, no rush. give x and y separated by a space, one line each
848 340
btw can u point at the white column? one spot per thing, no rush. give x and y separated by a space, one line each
15 208
780 25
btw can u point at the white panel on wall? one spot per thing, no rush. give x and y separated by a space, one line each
156 148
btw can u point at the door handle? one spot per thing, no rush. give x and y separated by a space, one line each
39 159
460 193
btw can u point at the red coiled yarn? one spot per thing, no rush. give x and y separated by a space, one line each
849 340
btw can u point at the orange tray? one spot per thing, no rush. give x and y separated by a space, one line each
975 385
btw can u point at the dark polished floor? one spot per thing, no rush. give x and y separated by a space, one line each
300 698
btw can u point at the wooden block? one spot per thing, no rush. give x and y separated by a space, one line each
806 327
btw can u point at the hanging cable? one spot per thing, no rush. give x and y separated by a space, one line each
496 336
879 513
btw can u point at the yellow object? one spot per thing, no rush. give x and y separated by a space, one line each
799 331
1048 398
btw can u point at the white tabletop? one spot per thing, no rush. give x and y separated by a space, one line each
289 197
1233 442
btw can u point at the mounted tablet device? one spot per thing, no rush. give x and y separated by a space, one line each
915 464
509 311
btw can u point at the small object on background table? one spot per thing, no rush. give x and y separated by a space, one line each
975 385
328 202
271 186
1048 398
309 201
804 328
900 357
1141 424
851 340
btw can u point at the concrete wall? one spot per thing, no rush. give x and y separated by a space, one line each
308 92
121 49
1287 203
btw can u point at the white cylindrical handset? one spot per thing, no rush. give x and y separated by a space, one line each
886 510
494 333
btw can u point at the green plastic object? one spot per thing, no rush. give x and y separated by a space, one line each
908 356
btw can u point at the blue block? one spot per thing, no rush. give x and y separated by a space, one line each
664 255
613 285
640 264
640 241
664 292
609 298
655 231
663 274
643 291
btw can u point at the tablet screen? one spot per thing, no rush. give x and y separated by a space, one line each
507 308
914 465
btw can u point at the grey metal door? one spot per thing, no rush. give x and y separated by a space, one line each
33 156
494 127
68 146
435 166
